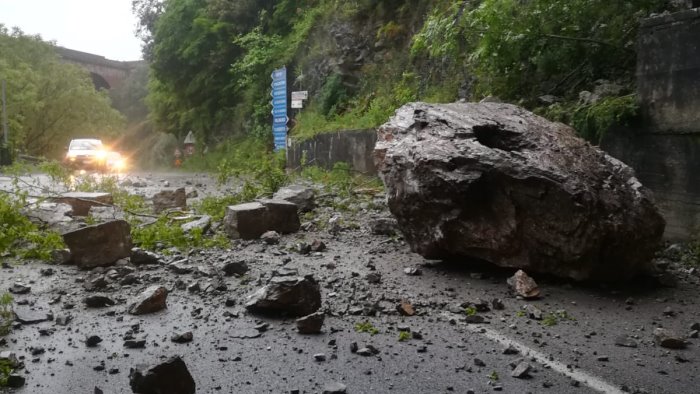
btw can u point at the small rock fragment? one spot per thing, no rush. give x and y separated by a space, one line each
405 308
239 267
149 301
184 337
668 339
510 350
98 301
334 388
92 341
271 237
523 285
374 277
412 271
521 371
20 288
625 341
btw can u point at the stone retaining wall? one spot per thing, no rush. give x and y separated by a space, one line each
353 147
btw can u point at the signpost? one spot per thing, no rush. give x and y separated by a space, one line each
279 107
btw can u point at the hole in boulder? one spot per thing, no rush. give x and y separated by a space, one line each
495 136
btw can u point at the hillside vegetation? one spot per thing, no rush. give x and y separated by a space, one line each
211 60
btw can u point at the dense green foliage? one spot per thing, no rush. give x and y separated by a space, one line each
19 236
6 316
211 60
48 101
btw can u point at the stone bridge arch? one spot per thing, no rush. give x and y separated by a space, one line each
105 73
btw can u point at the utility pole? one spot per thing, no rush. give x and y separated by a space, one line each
4 115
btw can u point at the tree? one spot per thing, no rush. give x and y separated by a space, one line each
194 45
49 102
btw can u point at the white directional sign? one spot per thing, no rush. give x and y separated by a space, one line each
300 95
297 103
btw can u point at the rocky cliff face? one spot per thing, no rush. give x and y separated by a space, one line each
495 182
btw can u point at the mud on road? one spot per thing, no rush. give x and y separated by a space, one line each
363 278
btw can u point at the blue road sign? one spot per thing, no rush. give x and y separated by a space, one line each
278 93
279 107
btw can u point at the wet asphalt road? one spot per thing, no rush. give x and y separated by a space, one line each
281 360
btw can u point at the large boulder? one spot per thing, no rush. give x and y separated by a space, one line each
253 219
495 182
169 199
99 245
292 296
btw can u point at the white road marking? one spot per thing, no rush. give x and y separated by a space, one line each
578 375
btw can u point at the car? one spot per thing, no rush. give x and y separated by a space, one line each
86 153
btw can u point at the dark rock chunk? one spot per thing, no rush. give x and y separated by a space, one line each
98 301
92 341
474 319
668 339
405 308
301 196
251 220
149 301
143 257
383 226
374 277
61 256
497 304
15 381
281 216
518 196
290 295
238 267
167 199
521 371
271 237
20 288
135 343
170 377
412 271
246 221
523 285
310 324
317 246
510 350
99 245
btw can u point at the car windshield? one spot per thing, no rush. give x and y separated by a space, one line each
85 145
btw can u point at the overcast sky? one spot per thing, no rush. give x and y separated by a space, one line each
102 27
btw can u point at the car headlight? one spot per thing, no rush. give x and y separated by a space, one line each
70 155
101 155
